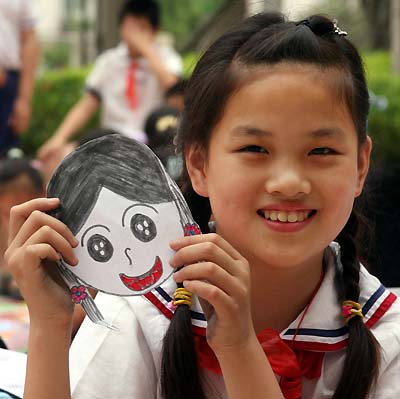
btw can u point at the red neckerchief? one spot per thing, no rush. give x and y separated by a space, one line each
289 364
130 90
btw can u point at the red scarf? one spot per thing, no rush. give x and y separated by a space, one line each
290 365
130 90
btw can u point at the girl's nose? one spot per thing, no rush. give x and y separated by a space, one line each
127 250
287 182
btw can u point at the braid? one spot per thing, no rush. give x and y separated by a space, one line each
362 359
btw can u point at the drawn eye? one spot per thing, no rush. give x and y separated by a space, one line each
143 228
100 248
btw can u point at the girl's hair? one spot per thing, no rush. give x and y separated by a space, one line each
138 176
261 41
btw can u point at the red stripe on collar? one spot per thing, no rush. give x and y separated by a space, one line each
383 308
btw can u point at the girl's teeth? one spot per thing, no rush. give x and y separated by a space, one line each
286 217
282 216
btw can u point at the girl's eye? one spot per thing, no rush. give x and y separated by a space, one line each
100 248
254 148
143 228
323 151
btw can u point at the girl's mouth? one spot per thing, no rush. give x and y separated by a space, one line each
140 283
280 216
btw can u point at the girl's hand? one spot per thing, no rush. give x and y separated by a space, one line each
219 275
36 242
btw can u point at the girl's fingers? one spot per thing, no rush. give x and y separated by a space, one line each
204 251
202 238
37 220
222 303
47 235
41 252
29 258
20 213
214 275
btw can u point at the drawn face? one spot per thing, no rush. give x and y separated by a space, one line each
124 245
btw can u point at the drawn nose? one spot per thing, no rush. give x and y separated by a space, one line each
127 250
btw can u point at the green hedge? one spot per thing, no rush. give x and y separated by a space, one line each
56 92
384 125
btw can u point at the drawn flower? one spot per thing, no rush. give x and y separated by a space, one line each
78 293
192 229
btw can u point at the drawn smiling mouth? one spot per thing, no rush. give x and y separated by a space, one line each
140 283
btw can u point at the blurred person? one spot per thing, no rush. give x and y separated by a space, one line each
19 182
161 127
128 81
19 53
174 97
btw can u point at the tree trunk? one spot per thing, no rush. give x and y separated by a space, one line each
377 15
107 24
395 35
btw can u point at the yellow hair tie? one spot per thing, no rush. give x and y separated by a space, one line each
351 309
182 297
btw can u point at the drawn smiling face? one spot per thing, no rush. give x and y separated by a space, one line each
124 246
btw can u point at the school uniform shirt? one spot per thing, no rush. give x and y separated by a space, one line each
128 89
15 16
126 363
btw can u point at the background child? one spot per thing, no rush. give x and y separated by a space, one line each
19 182
275 142
128 81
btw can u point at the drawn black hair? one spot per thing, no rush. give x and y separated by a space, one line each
261 41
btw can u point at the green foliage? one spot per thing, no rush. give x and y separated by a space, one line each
384 124
189 62
55 94
182 18
56 55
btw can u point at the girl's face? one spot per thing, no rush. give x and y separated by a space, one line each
283 167
124 245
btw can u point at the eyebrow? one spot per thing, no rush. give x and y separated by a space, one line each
132 206
327 132
246 130
92 227
241 131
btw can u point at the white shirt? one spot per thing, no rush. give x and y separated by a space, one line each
125 363
15 16
108 81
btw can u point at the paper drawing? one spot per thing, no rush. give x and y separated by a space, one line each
124 209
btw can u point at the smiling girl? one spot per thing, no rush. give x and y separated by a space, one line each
276 151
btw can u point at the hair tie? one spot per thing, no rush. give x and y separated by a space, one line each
351 309
323 29
182 297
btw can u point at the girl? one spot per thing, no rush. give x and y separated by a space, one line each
275 144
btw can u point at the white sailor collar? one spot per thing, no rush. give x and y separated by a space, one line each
323 328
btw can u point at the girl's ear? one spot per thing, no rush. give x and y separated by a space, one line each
196 161
363 164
